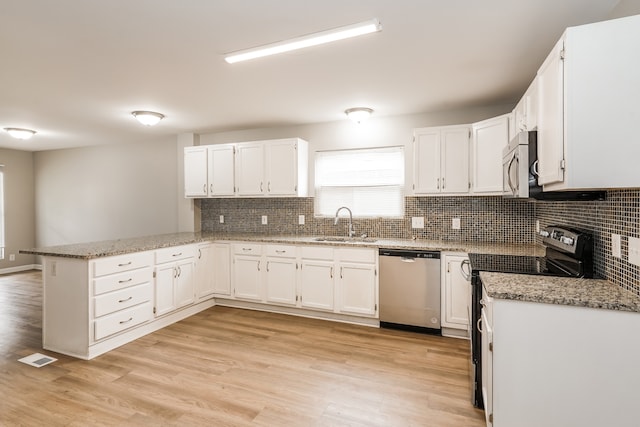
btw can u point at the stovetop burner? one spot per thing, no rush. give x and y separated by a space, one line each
520 264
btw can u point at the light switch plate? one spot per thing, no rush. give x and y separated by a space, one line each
264 220
616 247
417 222
221 219
300 219
634 250
455 223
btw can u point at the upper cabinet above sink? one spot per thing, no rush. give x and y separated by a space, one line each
272 168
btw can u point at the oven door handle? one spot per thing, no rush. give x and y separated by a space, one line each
479 325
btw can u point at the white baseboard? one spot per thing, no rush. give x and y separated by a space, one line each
20 268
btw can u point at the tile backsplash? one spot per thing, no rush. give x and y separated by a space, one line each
619 214
482 219
485 219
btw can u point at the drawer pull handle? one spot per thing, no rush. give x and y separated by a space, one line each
125 264
178 254
281 252
122 322
246 249
125 281
125 300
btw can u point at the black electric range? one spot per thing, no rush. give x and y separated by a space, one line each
568 253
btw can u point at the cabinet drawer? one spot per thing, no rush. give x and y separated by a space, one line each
285 251
114 282
120 263
247 248
356 255
124 298
175 253
316 252
122 320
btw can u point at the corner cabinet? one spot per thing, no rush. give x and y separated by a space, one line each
272 168
441 160
587 108
489 138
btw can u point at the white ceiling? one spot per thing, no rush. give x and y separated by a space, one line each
74 69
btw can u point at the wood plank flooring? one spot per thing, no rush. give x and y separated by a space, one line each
232 367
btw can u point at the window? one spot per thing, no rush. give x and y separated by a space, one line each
370 182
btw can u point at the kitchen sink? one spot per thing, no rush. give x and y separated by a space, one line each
345 239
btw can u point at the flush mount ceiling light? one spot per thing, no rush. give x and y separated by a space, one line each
358 114
147 118
309 40
20 133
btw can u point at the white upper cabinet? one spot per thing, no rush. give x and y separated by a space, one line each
588 91
489 138
441 160
277 168
195 172
208 171
525 114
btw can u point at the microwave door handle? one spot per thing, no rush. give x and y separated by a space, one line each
534 169
509 173
517 186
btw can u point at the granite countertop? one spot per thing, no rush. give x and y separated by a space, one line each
139 244
592 293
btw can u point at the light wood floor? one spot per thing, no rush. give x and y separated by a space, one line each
231 367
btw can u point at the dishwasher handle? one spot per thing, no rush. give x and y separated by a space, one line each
407 259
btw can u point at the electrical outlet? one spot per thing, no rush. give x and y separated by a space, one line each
264 220
634 250
455 223
417 222
300 219
12 257
221 219
616 247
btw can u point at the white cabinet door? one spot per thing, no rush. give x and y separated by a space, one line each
281 280
221 170
282 168
357 289
426 166
317 284
195 172
250 169
456 293
247 277
441 160
184 283
221 256
489 138
455 160
486 348
204 274
551 117
164 295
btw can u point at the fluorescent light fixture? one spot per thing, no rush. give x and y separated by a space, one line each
309 40
358 114
147 118
20 133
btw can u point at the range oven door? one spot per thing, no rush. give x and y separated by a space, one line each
476 340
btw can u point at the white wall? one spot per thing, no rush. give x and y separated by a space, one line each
106 192
375 132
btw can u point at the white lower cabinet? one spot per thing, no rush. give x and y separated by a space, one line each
174 274
357 283
316 284
248 268
281 275
456 293
221 255
204 274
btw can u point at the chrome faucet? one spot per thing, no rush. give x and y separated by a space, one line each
335 222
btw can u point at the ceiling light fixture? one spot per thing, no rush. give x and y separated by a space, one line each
20 133
340 33
147 118
358 114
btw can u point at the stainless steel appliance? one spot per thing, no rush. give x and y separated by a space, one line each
520 173
410 290
568 253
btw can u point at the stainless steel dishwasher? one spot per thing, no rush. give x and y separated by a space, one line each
410 290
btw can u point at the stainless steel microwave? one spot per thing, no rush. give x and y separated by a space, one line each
518 165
